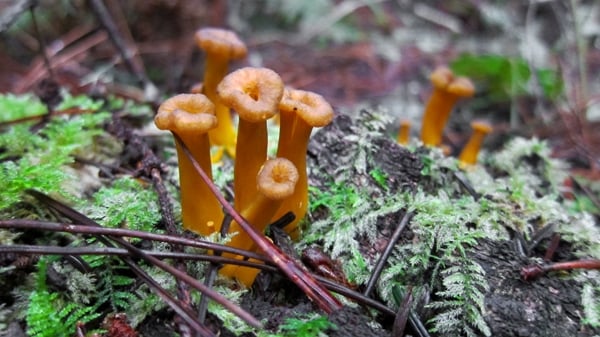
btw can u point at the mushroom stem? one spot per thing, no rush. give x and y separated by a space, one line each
224 133
251 150
276 181
190 116
200 211
299 112
295 151
469 153
221 46
404 132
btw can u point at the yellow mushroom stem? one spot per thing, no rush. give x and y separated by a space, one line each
191 116
254 94
404 132
468 155
224 133
300 111
447 90
275 181
221 46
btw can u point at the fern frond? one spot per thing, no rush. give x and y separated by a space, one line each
48 316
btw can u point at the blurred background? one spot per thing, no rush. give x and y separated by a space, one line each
535 63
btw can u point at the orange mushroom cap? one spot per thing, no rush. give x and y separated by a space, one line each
309 106
441 77
186 114
277 179
461 87
191 116
222 42
254 93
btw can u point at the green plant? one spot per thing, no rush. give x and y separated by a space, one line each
307 327
125 203
380 177
41 160
14 107
506 77
49 315
590 299
352 216
113 287
461 302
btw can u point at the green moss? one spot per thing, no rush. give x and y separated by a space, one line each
20 106
40 160
126 203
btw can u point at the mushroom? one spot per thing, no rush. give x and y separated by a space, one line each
275 182
191 116
447 89
254 94
221 46
469 153
300 111
404 132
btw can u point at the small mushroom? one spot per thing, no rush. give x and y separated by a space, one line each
191 116
469 153
275 182
447 89
254 94
404 132
221 46
300 111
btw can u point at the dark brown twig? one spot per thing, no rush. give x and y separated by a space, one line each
329 284
402 315
289 267
55 250
78 217
386 253
530 273
73 228
554 242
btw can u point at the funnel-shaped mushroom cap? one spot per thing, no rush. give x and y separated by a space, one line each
441 77
461 87
482 127
222 42
186 113
254 93
277 179
309 106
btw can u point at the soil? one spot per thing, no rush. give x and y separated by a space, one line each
547 307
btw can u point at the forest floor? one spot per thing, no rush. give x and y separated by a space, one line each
538 78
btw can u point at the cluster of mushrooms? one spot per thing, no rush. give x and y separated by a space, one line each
447 90
267 188
264 188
